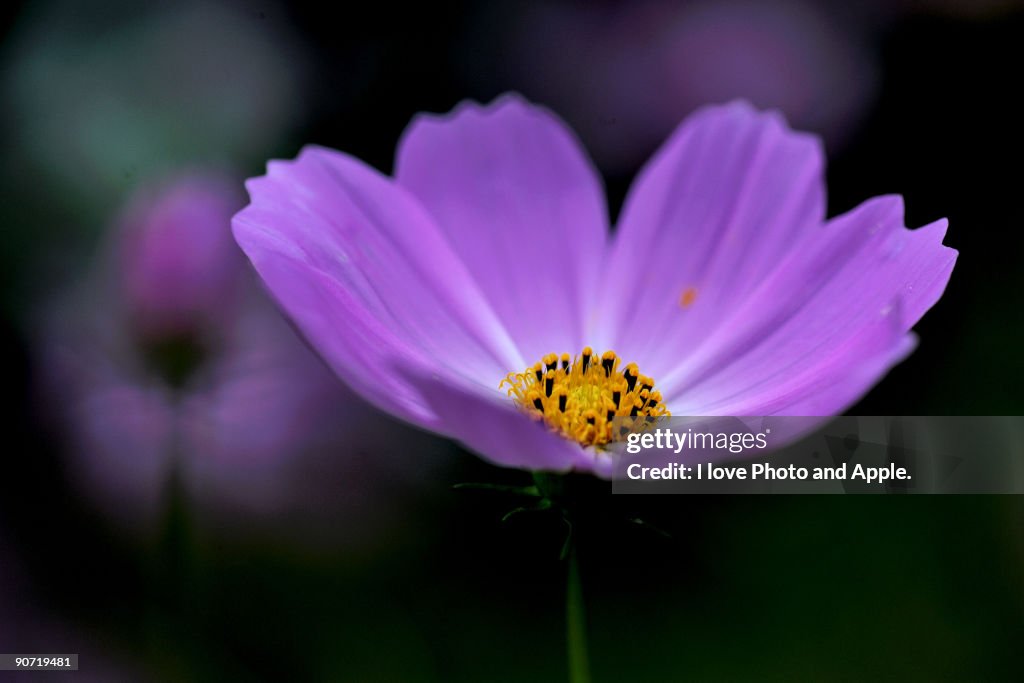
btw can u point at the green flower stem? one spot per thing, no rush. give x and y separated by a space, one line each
576 627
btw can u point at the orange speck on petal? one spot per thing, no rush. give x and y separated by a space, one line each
688 297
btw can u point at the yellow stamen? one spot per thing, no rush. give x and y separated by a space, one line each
579 398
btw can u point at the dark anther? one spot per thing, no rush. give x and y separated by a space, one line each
586 362
630 381
607 364
549 384
616 397
562 401
538 404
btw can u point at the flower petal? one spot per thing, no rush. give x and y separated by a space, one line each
710 215
369 279
493 427
826 324
523 208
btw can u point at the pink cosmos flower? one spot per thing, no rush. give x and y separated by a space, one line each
476 291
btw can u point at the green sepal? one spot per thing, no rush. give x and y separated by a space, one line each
542 505
529 491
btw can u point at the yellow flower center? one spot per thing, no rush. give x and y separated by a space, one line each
580 397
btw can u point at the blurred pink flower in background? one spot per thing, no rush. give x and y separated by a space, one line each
178 267
623 74
170 360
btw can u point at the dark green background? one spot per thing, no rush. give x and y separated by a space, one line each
765 588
